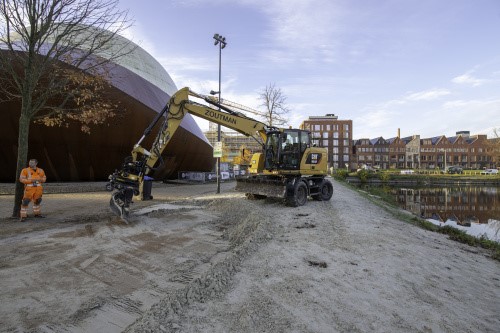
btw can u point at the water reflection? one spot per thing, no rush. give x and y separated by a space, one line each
463 205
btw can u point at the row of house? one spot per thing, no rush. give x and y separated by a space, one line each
464 150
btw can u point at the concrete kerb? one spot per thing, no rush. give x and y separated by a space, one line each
82 187
52 188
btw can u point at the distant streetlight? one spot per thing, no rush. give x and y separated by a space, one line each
444 150
221 41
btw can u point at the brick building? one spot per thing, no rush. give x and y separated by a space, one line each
336 135
397 153
464 150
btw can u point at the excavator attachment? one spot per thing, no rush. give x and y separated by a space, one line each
257 187
120 204
124 185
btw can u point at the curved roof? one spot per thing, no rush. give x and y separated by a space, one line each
140 62
142 87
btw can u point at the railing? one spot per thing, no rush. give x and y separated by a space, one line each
432 172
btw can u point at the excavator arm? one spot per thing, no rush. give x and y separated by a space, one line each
128 181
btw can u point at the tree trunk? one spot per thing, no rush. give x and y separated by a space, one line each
22 157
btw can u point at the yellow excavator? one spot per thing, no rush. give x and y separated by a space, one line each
289 167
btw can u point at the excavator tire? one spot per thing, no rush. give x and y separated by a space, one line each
299 197
325 191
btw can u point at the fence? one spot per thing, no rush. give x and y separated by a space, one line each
203 177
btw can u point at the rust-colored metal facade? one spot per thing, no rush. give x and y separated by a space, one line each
67 154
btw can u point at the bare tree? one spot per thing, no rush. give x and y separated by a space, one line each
274 102
55 56
493 147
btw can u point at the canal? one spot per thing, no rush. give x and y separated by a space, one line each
472 208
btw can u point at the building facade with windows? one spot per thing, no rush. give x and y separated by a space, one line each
335 135
397 153
463 150
412 151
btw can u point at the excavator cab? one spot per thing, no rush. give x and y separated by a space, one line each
284 149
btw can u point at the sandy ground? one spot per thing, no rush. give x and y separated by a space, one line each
193 261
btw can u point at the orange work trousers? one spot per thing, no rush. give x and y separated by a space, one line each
31 193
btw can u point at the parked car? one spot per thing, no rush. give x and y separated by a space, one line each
367 168
490 172
454 169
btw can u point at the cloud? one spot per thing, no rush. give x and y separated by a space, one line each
491 106
468 79
427 95
300 30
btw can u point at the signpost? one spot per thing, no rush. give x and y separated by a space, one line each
218 149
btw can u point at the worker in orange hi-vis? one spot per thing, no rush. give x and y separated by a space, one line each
32 178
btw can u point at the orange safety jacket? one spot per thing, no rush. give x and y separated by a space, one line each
32 177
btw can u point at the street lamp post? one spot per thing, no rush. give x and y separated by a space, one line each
221 41
444 150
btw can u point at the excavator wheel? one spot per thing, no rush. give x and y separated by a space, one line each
299 197
325 191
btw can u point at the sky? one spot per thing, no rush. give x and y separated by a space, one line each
427 67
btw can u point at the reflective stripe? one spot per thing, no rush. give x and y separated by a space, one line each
24 211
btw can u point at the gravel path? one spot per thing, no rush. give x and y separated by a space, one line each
340 266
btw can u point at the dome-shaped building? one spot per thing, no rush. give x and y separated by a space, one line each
142 87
